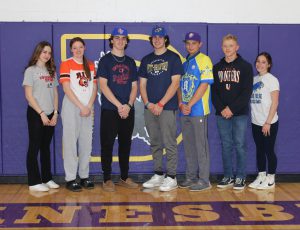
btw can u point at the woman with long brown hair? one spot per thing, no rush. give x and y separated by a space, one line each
80 87
40 84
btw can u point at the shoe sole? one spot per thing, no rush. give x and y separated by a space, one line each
179 186
88 188
37 190
239 188
225 186
52 187
147 186
200 190
168 190
251 186
265 188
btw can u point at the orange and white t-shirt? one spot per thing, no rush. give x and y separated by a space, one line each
73 72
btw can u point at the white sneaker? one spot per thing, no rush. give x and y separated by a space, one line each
155 181
39 188
259 179
51 184
268 183
168 184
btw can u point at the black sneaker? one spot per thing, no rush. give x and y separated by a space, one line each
73 186
87 183
239 184
226 182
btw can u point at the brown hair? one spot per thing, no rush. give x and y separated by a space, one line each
268 57
86 66
167 41
50 65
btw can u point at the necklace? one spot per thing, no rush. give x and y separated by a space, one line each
119 59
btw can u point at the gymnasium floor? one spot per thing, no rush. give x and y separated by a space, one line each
150 209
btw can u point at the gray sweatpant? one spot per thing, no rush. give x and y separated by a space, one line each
162 132
194 133
76 130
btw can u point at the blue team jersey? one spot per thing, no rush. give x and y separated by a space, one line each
197 70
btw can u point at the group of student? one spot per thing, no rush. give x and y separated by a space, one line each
165 85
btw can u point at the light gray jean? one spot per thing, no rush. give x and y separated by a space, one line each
196 149
77 131
162 131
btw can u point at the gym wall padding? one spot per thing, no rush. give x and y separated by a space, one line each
17 41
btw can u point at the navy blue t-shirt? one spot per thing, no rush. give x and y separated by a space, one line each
159 69
120 72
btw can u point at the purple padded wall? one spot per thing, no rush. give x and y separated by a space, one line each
17 43
282 42
1 155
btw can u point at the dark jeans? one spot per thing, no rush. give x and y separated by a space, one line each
265 148
112 126
40 137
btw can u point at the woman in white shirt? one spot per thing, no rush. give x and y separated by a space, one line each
264 104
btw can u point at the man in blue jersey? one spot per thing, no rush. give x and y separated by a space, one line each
194 98
159 74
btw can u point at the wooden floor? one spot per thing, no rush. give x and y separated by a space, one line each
150 209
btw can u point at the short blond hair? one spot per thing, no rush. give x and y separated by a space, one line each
230 37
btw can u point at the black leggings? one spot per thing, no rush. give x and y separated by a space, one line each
265 148
39 141
112 126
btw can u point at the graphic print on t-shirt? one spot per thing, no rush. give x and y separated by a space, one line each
229 75
156 67
48 80
120 74
188 86
83 80
256 96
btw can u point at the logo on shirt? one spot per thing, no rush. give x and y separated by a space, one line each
157 67
121 74
48 79
83 80
256 96
188 86
258 85
228 76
